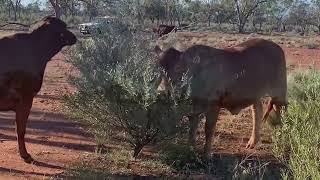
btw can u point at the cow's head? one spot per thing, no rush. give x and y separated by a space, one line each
54 31
173 67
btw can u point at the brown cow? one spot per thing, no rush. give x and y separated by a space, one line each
232 78
23 58
164 29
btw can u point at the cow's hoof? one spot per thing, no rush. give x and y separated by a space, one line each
252 143
27 159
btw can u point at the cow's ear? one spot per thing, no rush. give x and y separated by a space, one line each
42 24
158 50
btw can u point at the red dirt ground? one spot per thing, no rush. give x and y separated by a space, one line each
56 142
303 58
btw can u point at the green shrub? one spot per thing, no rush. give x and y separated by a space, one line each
304 86
116 89
182 158
297 142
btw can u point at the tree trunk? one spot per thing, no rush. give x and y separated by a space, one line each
16 8
219 25
137 150
241 27
284 27
57 9
15 13
176 17
9 12
19 10
254 26
260 26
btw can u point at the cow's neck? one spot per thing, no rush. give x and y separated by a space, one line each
43 51
46 48
48 52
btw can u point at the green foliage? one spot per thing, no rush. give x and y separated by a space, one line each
297 141
185 160
182 158
304 86
117 88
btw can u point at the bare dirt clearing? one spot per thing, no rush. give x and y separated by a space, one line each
56 142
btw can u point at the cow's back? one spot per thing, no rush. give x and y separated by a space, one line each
239 75
265 68
17 54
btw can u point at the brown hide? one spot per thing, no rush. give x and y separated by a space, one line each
231 78
23 58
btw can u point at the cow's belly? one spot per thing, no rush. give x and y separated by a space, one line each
235 106
233 95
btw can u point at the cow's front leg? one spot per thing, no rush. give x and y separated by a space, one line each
193 126
22 114
256 124
211 121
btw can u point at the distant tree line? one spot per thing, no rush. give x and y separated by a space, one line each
243 15
278 15
70 10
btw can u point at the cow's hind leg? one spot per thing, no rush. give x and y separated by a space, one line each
257 118
22 114
211 121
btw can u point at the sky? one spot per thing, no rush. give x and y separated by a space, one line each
25 2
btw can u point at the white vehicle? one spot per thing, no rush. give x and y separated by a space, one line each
96 25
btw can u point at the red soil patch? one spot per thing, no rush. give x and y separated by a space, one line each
303 58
